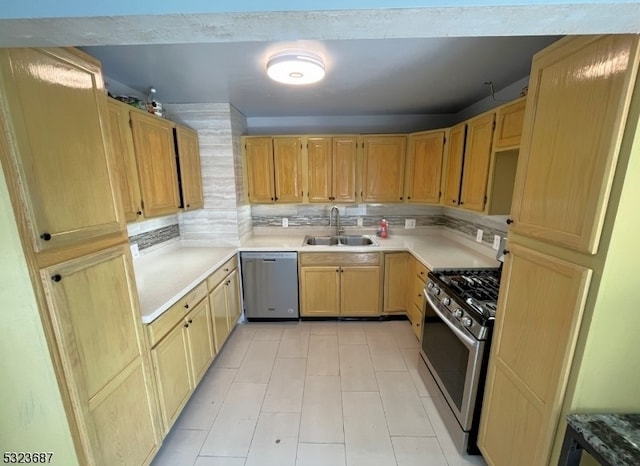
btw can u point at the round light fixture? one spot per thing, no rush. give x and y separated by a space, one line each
295 67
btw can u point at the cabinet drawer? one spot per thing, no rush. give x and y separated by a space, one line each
225 269
420 270
339 258
163 324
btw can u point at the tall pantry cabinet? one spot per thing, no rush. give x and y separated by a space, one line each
566 325
58 163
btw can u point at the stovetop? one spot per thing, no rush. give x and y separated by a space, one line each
474 289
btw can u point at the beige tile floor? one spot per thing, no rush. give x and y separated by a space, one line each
313 394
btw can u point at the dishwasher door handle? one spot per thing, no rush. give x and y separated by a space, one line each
268 260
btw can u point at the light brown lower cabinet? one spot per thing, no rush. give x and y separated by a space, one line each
396 273
111 391
224 298
180 360
340 284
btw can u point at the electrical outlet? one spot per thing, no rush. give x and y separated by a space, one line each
285 222
359 221
479 234
496 242
409 223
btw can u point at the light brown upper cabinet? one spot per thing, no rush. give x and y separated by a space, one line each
155 155
61 157
509 124
274 169
453 171
424 166
125 160
188 148
332 169
477 155
383 168
573 130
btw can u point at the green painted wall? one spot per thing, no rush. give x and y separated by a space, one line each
32 417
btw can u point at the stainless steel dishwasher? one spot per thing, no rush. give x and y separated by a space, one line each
270 285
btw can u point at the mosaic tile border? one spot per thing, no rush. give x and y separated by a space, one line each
157 236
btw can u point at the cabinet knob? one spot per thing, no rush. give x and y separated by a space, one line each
190 321
56 278
228 282
272 199
505 251
509 221
226 269
276 198
419 295
45 236
408 198
461 202
139 212
401 198
188 205
186 325
186 306
337 270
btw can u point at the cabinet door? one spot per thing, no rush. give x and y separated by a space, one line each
93 307
509 124
320 169
287 165
173 375
477 155
155 154
201 344
218 301
359 295
578 102
259 166
396 281
453 172
125 160
424 167
190 175
383 177
537 321
55 101
320 291
344 157
233 299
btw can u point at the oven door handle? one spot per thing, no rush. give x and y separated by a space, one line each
466 339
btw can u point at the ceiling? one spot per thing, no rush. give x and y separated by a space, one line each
364 77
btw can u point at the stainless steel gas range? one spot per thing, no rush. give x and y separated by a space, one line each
459 314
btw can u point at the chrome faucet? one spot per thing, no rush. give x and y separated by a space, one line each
339 231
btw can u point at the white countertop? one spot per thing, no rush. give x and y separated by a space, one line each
167 274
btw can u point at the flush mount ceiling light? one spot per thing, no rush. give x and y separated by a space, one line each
295 67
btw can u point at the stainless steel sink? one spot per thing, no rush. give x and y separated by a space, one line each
344 240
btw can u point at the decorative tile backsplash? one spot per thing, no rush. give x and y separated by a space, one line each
154 237
317 215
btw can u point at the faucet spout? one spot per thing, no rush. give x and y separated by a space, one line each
338 229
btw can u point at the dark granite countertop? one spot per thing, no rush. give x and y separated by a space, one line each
616 437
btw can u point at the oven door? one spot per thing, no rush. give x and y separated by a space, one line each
454 358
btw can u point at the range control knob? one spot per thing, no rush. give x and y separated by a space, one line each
457 313
436 290
446 301
466 321
430 285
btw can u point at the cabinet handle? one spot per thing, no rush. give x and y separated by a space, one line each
226 269
56 278
419 295
45 236
337 270
401 198
188 205
505 251
186 306
190 321
276 198
421 272
186 325
272 199
461 202
139 213
408 198
341 271
509 221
